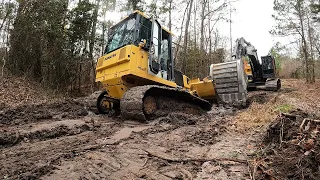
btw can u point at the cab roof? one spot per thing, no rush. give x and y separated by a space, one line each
142 14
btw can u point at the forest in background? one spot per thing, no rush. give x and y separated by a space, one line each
57 42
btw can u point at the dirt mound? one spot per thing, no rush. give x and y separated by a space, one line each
16 91
203 136
179 118
258 97
12 138
36 112
294 147
90 102
42 151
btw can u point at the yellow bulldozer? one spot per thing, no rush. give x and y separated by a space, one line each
141 82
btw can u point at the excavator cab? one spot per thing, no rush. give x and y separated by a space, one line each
268 67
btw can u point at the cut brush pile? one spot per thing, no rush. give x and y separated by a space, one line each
293 148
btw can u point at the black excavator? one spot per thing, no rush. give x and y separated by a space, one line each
261 73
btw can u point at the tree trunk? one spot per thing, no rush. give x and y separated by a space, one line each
230 25
103 33
177 64
13 63
92 40
210 37
103 39
170 11
312 78
4 19
304 45
203 7
134 4
194 26
185 43
306 58
37 71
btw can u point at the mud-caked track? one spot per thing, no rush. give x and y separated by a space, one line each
149 102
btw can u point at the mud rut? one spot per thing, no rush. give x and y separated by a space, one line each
66 141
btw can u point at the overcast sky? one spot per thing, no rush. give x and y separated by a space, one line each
252 20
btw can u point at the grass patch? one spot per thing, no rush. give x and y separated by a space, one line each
257 115
260 115
284 108
234 154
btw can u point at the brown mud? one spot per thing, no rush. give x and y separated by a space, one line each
38 112
66 140
11 138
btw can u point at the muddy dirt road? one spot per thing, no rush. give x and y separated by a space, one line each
64 140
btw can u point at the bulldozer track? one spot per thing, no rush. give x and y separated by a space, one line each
135 106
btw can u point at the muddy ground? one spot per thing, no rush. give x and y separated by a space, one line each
66 140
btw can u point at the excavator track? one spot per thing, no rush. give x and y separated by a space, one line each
273 85
152 101
270 85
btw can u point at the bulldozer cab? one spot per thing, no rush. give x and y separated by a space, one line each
147 33
268 67
160 52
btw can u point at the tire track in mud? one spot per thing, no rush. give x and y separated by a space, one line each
114 150
38 122
126 157
35 139
26 114
8 139
104 160
33 159
97 148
